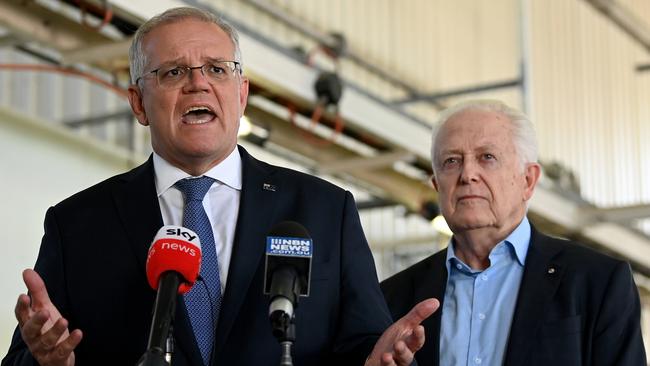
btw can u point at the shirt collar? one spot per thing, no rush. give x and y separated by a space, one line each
228 172
518 240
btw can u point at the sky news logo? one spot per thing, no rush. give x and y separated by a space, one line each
295 247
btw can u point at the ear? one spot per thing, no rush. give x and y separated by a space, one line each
137 106
243 95
531 174
434 182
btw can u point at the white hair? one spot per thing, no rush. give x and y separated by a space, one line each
137 57
523 132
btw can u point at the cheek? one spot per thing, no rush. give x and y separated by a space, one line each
445 198
161 106
513 189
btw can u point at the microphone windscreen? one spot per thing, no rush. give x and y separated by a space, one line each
288 244
289 229
177 249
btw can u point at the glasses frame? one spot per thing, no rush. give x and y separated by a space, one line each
236 69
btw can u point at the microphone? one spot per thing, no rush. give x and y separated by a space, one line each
173 265
287 273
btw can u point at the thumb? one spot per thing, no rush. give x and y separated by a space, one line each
420 311
36 288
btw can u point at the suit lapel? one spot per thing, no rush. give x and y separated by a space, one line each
538 285
137 206
435 270
256 212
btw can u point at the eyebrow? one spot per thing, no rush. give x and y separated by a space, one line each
486 147
451 152
178 61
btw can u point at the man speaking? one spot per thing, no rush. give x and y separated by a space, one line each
90 302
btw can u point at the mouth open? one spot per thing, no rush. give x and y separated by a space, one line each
198 115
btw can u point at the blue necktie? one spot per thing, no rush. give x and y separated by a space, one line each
203 302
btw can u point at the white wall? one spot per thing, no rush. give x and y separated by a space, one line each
40 165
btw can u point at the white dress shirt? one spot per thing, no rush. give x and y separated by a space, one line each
221 203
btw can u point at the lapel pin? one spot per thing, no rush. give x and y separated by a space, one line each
268 187
551 270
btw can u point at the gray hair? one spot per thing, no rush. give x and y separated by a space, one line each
137 57
523 132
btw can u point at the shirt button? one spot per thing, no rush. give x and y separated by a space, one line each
484 277
477 360
481 316
459 266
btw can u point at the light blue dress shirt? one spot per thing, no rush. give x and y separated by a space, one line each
479 305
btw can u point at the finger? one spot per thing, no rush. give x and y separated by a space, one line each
67 346
49 339
32 328
402 355
22 310
36 288
416 340
420 311
387 360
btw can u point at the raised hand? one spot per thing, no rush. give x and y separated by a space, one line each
42 327
398 344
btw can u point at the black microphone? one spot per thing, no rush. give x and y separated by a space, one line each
287 272
173 265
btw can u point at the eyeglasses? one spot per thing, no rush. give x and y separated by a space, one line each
175 76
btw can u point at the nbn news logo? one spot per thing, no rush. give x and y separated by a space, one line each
282 245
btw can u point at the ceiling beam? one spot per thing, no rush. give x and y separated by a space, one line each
29 20
625 20
98 53
621 214
366 163
388 183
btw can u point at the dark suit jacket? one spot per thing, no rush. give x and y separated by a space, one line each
93 255
575 307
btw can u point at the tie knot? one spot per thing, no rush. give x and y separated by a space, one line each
194 189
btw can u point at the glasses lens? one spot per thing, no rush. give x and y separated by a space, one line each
219 70
171 76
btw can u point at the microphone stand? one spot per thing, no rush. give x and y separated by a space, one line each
284 329
160 345
286 342
285 284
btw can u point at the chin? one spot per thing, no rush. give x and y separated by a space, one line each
200 148
472 223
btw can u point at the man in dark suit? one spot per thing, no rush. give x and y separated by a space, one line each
509 294
90 272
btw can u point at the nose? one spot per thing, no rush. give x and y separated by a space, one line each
469 172
197 81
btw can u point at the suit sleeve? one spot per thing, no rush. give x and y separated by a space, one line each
49 266
617 334
364 315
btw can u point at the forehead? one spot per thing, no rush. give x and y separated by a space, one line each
187 38
474 129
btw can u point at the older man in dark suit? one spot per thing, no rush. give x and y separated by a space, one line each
511 295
